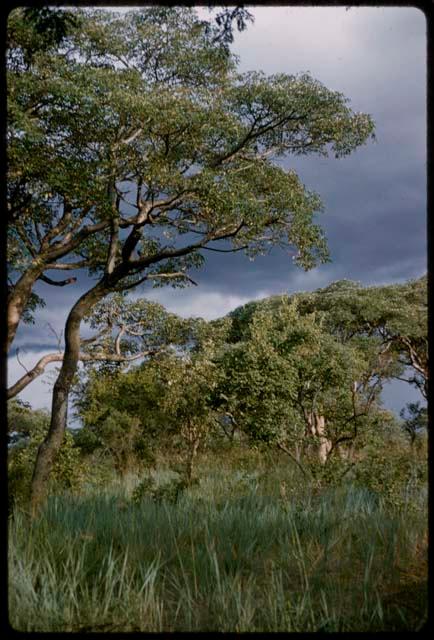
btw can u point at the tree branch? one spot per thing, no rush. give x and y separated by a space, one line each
40 366
114 234
57 283
37 370
226 250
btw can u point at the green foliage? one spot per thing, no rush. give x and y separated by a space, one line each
395 474
142 326
169 397
68 471
359 337
135 393
34 30
175 119
121 437
168 492
23 420
287 366
388 323
415 420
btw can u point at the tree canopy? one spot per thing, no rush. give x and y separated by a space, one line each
301 373
132 132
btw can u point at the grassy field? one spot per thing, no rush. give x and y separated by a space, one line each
240 551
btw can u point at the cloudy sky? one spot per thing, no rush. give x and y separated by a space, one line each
375 199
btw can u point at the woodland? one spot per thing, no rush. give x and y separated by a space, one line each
239 474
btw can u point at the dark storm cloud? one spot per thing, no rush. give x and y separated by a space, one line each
375 199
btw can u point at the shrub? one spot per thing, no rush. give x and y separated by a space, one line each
395 473
166 492
68 471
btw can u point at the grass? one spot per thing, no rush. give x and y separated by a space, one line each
230 555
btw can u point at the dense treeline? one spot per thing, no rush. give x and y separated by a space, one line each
299 374
302 373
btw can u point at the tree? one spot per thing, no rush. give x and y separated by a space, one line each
392 316
385 326
190 383
415 420
289 382
389 322
26 429
168 397
121 414
177 156
36 197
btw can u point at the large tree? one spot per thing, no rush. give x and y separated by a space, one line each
389 321
36 197
394 317
290 383
137 141
384 328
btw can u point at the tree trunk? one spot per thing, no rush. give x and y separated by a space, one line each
324 443
193 452
297 452
316 424
49 448
17 300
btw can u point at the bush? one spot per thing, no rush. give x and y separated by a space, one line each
120 437
167 492
396 473
67 472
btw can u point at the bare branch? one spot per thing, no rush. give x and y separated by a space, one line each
114 234
111 357
130 138
86 341
17 352
118 340
69 243
226 250
57 283
39 368
61 225
58 336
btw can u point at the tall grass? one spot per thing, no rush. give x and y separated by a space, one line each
230 555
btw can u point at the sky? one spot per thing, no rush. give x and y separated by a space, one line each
374 200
